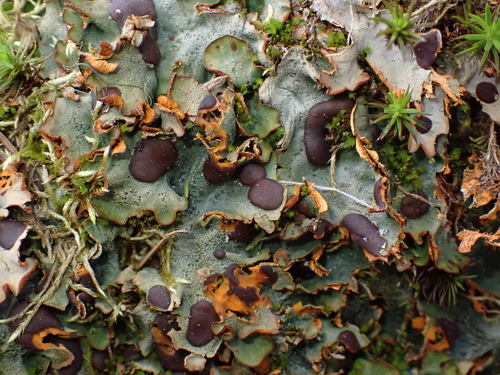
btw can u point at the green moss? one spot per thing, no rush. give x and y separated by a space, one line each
392 354
401 163
278 361
339 130
276 136
280 35
282 32
336 38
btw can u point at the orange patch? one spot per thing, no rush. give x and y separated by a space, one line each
469 238
236 291
6 178
106 50
435 340
320 202
39 337
446 82
118 146
418 323
147 113
113 100
164 103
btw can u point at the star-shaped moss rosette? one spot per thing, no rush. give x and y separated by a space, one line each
397 115
400 24
486 35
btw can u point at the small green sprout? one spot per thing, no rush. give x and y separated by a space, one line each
15 62
486 36
363 53
400 25
304 191
275 137
398 113
340 131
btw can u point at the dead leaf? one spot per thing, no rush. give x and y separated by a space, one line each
166 104
38 337
106 50
320 202
484 303
12 192
366 151
314 264
346 75
469 238
148 114
118 146
294 197
418 323
113 97
478 183
450 86
100 64
492 214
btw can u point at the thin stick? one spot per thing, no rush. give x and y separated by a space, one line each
70 255
8 145
326 188
418 197
157 247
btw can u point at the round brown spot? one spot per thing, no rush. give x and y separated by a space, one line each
271 275
98 360
243 232
266 194
131 353
425 125
217 172
150 50
378 194
120 10
159 297
487 92
364 233
152 158
305 209
172 360
412 207
201 317
219 254
250 173
350 341
426 50
208 104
